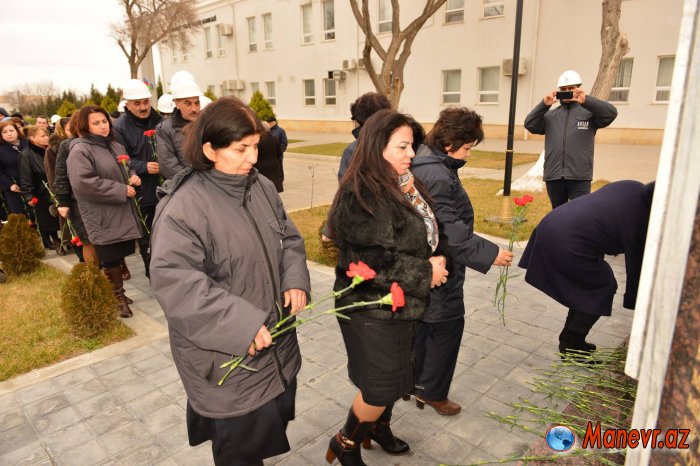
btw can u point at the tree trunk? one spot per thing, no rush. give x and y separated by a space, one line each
614 47
133 68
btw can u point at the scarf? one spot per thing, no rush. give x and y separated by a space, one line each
408 187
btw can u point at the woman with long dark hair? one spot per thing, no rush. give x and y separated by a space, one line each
381 217
105 195
32 176
226 264
11 144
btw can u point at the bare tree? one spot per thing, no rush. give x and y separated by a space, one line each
615 46
389 79
147 22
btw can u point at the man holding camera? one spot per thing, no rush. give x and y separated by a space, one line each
569 131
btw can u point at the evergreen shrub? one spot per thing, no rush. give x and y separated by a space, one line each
87 301
20 246
261 106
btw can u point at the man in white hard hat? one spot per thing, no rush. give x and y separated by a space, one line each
569 135
130 130
165 105
169 135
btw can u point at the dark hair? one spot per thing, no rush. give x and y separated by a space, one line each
455 127
418 134
20 133
82 121
271 119
222 122
368 170
41 116
367 105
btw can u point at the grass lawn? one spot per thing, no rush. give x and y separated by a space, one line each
484 200
292 141
479 158
33 331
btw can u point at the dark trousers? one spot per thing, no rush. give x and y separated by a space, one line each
562 191
148 212
14 203
437 347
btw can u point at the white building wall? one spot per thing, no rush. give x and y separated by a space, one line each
556 35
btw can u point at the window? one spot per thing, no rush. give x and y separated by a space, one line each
488 84
185 56
270 87
663 79
451 86
267 30
493 8
307 34
384 16
210 89
329 91
454 11
207 42
252 43
309 92
254 87
172 49
621 87
328 20
221 40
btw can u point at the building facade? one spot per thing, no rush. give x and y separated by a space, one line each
305 57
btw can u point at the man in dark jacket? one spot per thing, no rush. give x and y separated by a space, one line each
569 137
439 335
169 133
139 117
565 256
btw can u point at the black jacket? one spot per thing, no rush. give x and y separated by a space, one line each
9 164
455 216
270 160
393 242
61 183
128 129
32 173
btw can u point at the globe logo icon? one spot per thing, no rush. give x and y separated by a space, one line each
560 438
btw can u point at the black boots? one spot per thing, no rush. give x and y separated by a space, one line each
381 433
114 274
572 338
345 445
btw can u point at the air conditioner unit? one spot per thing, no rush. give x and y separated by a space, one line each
227 29
240 85
337 75
507 67
230 85
349 64
360 63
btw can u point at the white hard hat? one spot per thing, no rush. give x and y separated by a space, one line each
569 78
121 105
136 89
184 89
180 76
204 101
166 104
55 118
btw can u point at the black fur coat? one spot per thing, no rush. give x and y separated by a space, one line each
393 242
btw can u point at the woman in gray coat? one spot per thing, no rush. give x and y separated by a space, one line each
226 262
105 195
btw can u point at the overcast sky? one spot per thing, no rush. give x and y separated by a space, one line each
65 41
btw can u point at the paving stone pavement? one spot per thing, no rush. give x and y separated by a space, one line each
128 408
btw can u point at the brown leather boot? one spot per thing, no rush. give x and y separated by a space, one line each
126 274
445 407
114 274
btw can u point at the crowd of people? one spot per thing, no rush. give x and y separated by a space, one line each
198 192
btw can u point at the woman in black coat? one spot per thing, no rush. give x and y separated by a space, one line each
439 335
565 256
32 176
11 144
380 217
270 155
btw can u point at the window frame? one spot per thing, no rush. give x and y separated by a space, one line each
328 34
384 22
308 97
307 34
270 96
252 34
491 4
622 89
326 96
254 86
450 93
220 40
208 52
658 88
483 92
452 11
267 40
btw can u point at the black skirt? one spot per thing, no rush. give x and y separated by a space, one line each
381 359
77 222
47 222
249 438
115 251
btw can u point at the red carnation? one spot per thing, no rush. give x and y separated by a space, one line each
528 198
123 158
361 270
34 201
78 243
149 133
397 297
520 201
74 240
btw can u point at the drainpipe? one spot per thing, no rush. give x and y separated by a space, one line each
235 43
533 62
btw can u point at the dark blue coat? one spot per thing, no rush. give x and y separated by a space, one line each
455 216
128 130
565 256
9 164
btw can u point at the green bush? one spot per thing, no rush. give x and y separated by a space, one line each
87 302
261 106
20 246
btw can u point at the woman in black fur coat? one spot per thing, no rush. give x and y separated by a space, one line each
380 217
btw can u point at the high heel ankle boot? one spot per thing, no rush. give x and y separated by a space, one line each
381 433
345 445
114 274
126 274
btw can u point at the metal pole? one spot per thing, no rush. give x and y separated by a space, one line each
513 98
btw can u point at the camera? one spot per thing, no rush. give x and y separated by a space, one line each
561 95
